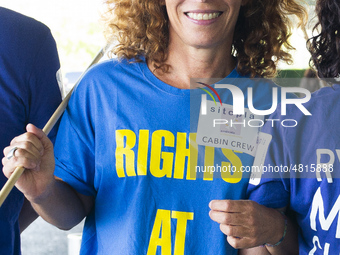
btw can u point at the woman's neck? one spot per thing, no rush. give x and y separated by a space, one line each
186 63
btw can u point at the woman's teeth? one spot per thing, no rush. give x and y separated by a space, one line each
203 16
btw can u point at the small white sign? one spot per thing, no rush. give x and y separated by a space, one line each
220 128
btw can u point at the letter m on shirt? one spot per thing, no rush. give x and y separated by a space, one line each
318 207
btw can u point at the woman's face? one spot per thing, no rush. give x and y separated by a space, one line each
202 23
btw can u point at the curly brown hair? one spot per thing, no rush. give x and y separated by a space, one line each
140 28
325 47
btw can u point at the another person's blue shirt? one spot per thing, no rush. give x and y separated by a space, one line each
314 198
29 93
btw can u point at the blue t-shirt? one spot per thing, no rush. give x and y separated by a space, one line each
312 197
29 93
125 139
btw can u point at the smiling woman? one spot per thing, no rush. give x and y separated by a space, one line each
128 139
262 28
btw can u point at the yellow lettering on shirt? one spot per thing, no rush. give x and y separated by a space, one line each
167 155
192 161
157 154
142 157
161 232
181 230
182 152
124 150
231 176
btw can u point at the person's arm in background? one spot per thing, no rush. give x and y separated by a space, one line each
289 244
27 215
261 250
43 97
248 224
